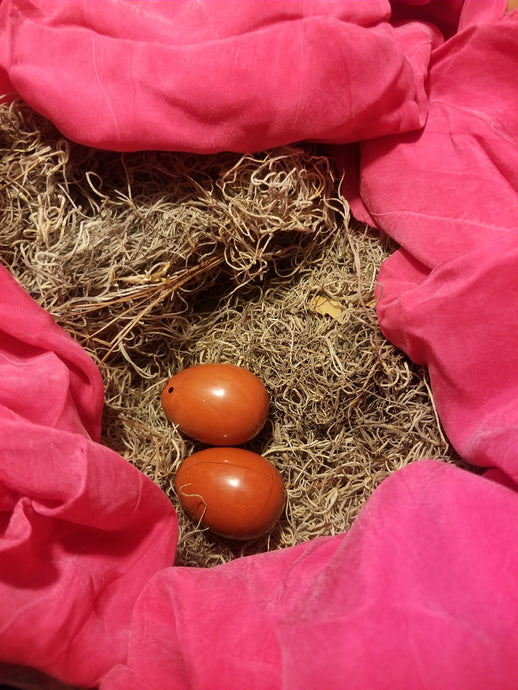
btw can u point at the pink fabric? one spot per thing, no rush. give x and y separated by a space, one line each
450 197
81 530
211 76
422 592
400 601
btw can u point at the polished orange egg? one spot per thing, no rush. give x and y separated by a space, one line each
218 404
234 492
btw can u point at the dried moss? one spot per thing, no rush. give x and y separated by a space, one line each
156 261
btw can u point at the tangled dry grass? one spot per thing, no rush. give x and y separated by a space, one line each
155 261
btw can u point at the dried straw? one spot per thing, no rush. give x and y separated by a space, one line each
156 261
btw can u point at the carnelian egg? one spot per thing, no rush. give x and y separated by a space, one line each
217 404
234 492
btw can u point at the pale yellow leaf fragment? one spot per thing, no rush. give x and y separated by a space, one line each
326 305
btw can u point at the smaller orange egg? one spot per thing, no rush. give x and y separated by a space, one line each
217 404
234 492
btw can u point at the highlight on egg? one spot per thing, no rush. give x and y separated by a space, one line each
233 492
217 404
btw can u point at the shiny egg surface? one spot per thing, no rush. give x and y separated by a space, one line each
217 404
234 492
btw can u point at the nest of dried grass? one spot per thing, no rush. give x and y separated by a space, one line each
156 261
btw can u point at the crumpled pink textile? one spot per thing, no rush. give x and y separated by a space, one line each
450 197
212 76
422 592
81 529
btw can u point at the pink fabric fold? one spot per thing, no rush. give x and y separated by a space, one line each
455 180
418 100
81 530
215 76
460 320
449 196
420 594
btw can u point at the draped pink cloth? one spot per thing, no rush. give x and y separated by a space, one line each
418 102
